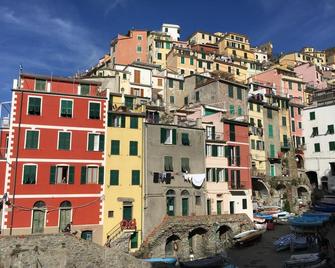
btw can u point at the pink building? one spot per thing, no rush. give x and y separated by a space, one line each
311 75
125 49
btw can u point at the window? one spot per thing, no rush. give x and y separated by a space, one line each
133 122
230 91
181 85
272 170
258 108
283 121
29 174
200 63
168 136
134 240
139 49
245 55
114 177
186 100
197 200
135 177
312 116
168 163
170 202
124 76
170 83
251 106
217 67
158 44
137 76
208 65
292 111
64 140
172 99
34 106
253 144
110 213
115 147
133 148
185 139
197 96
191 61
185 164
270 131
160 82
244 203
299 111
62 174
332 146
237 71
182 59
116 120
66 108
231 109
168 45
84 89
232 132
40 85
94 110
269 113
259 123
239 93
32 139
316 147
129 102
330 129
293 125
96 142
159 56
139 37
239 111
203 55
290 84
272 151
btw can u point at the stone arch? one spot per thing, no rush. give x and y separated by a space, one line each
313 178
172 245
299 161
197 240
281 187
324 183
225 235
303 193
260 188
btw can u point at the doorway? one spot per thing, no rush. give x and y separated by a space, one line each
38 217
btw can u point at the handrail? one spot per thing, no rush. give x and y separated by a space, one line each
120 227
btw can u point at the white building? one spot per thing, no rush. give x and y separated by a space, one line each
173 30
318 129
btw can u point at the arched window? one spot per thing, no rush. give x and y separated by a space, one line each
185 203
38 217
64 214
170 202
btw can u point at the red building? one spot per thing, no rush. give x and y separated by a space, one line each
56 156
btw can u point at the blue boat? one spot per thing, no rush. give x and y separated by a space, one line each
324 208
306 221
161 260
290 240
263 216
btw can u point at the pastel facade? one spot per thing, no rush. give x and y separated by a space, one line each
203 38
159 45
311 75
172 30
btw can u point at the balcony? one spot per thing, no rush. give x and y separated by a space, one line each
258 173
285 146
256 131
214 136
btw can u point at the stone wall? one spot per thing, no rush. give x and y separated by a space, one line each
60 250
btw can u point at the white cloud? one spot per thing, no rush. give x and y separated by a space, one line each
112 4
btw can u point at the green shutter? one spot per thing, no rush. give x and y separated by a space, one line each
185 139
270 131
66 108
52 174
94 110
191 61
133 147
34 106
272 150
83 175
168 163
231 109
128 102
312 116
101 143
163 135
239 111
134 240
115 147
71 175
84 89
91 142
230 91
32 139
135 177
64 141
185 164
226 175
238 156
40 84
123 121
109 120
133 122
29 174
174 136
114 177
101 175
214 150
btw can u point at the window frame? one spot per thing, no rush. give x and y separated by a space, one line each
88 141
41 105
89 110
60 107
38 140
92 166
67 176
58 140
36 172
80 89
110 177
130 146
45 86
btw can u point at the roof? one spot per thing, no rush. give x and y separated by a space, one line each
235 122
59 78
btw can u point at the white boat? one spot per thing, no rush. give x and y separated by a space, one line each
243 234
311 260
261 226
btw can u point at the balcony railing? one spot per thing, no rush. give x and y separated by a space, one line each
285 145
256 131
214 136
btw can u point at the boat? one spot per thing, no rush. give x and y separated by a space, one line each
290 241
217 261
247 237
261 226
306 221
263 216
306 260
324 207
259 220
161 260
281 215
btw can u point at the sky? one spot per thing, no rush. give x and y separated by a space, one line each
66 36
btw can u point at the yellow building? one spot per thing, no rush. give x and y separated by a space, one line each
292 59
236 45
204 38
256 138
237 70
320 54
159 44
124 169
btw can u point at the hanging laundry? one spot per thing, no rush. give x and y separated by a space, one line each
168 178
156 177
163 176
198 179
186 177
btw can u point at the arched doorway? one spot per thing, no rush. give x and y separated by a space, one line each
197 240
324 183
185 203
259 189
64 214
313 178
300 161
303 194
38 217
225 235
172 245
170 202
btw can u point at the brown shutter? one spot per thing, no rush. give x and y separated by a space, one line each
142 92
137 77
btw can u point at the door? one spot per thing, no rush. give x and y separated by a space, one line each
170 205
184 206
231 206
127 212
64 218
38 221
219 207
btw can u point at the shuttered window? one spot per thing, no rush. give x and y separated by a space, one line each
40 85
168 163
133 148
115 147
96 142
185 139
94 110
133 122
32 137
272 151
114 177
185 164
64 140
231 91
135 177
168 136
129 102
116 120
29 174
34 106
84 89
270 131
66 108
